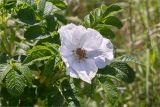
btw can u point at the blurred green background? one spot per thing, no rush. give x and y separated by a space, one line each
140 37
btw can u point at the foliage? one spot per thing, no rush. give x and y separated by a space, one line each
102 18
31 69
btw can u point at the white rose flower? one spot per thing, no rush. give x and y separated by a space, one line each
84 51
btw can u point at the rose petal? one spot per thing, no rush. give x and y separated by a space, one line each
92 40
107 49
93 53
69 60
72 73
86 69
66 39
67 27
78 33
65 51
107 54
100 61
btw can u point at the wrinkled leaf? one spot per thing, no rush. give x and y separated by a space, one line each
15 83
38 53
4 69
34 32
26 72
121 71
27 15
109 89
124 72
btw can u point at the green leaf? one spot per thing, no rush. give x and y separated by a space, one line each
15 83
109 89
105 31
38 53
114 21
101 20
118 70
26 72
93 18
8 4
34 32
41 6
27 15
4 69
99 15
68 92
51 23
60 18
53 47
124 72
55 98
7 99
58 3
3 56
53 38
111 9
108 70
49 66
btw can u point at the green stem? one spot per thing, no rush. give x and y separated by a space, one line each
147 75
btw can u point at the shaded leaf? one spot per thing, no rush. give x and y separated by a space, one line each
55 98
27 15
34 32
49 66
111 9
114 21
51 23
60 18
105 31
69 94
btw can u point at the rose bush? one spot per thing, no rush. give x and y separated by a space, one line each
38 48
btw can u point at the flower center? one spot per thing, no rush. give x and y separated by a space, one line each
81 53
